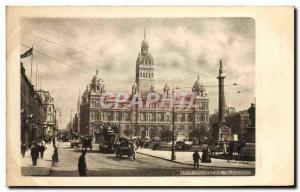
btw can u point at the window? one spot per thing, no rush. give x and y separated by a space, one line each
152 105
149 117
202 106
202 117
142 117
179 117
126 116
160 117
92 115
189 117
108 116
167 118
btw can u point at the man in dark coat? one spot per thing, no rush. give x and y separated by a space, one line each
196 158
42 150
82 164
34 154
55 156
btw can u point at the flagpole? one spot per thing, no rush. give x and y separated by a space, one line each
36 75
31 65
38 83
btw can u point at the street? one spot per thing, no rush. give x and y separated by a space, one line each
99 164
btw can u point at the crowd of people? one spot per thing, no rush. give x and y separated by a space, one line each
38 148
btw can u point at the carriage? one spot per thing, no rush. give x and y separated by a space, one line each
122 147
106 138
87 142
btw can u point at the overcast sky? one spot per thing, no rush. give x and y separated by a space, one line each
181 48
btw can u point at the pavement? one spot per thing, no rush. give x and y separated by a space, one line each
148 163
186 158
43 165
102 164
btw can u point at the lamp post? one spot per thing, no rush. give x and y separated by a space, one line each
173 155
56 124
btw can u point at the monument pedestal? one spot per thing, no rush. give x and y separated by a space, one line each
224 133
249 149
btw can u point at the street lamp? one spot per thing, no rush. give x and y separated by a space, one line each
56 124
173 155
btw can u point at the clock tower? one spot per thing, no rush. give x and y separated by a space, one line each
144 69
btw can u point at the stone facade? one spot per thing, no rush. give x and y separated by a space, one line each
33 113
143 119
49 124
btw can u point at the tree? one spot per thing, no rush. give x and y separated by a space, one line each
200 134
127 132
154 133
166 135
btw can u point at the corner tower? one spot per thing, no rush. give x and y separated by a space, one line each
144 68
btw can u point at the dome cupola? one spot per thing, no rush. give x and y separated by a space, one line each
198 88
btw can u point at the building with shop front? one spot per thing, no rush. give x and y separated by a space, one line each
144 119
49 125
33 113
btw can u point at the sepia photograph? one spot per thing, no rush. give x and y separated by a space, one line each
136 97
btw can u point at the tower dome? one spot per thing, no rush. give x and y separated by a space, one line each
97 85
144 46
166 89
96 78
196 87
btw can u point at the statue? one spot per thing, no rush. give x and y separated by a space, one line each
251 112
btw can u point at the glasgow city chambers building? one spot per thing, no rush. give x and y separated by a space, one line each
144 112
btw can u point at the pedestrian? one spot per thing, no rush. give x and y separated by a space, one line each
137 143
23 149
45 140
42 150
196 158
34 154
134 148
141 144
130 152
38 147
53 141
55 156
205 156
82 168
